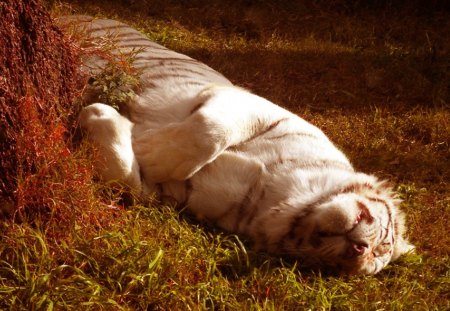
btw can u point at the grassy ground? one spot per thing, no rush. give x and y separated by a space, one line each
375 79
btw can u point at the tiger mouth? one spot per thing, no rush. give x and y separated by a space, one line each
355 248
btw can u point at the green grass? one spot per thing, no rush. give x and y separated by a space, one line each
376 81
153 258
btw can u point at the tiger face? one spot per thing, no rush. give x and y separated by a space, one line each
352 236
356 231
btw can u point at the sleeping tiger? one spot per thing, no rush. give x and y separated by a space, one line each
240 162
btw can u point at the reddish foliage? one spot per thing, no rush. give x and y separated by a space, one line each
39 175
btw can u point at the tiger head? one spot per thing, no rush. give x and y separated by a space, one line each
355 229
359 230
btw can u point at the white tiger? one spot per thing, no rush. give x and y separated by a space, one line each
240 162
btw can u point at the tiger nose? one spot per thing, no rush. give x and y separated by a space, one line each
356 249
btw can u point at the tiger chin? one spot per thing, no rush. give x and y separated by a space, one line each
242 163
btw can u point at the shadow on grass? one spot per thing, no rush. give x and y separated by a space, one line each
337 54
344 80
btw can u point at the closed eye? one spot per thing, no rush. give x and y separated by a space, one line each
325 234
382 249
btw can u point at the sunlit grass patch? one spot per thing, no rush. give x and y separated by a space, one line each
150 257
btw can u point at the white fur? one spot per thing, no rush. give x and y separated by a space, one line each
228 117
213 147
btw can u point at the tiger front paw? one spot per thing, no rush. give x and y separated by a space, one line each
175 152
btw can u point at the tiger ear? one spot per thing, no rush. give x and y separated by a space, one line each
401 247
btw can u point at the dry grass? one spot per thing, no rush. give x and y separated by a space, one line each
375 79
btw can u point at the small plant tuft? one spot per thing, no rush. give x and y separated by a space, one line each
117 81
